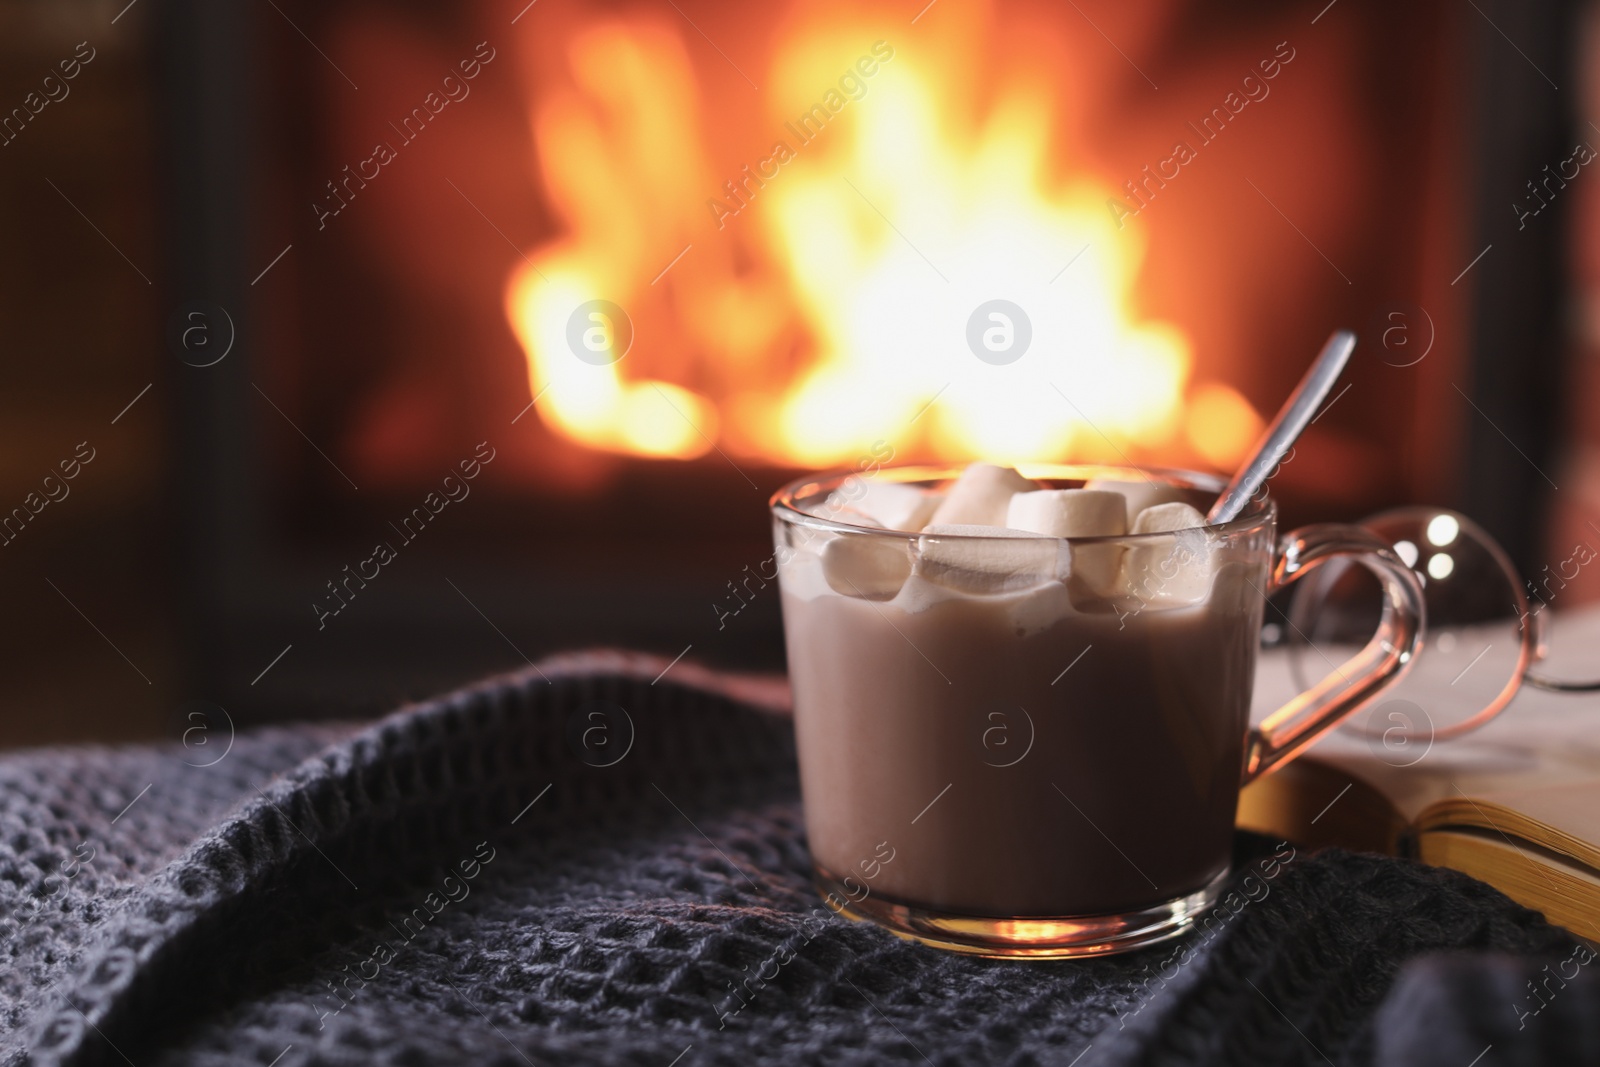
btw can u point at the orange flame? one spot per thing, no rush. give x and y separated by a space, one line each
821 299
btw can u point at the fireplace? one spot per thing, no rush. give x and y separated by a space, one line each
531 307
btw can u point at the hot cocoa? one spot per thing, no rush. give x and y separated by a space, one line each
1034 727
1022 698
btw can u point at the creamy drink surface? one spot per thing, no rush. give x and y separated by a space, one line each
1033 753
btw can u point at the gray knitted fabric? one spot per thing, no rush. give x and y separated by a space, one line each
481 879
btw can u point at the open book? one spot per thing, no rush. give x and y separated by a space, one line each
1515 803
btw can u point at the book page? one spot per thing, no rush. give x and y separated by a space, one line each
1564 818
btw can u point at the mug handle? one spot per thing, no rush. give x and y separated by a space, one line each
1287 731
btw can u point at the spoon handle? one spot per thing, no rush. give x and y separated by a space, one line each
1292 419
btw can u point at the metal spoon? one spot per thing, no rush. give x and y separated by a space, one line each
1295 415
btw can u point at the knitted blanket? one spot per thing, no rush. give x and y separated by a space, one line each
579 864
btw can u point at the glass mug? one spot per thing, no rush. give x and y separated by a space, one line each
1033 747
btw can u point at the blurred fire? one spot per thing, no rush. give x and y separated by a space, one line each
825 302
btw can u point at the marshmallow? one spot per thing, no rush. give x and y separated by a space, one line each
1165 518
837 509
1170 571
1077 513
893 505
866 566
1068 513
980 496
1140 494
985 559
844 504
